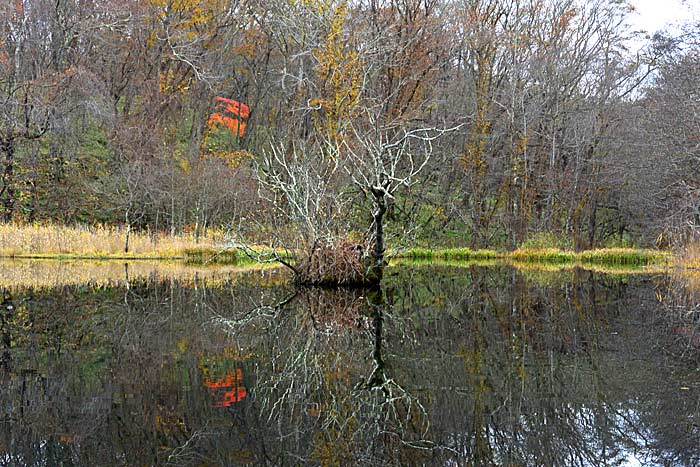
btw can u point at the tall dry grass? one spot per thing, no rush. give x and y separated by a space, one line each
38 274
686 276
688 256
46 240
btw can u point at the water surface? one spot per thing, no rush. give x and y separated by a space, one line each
445 366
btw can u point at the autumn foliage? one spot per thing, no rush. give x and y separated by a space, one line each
231 115
226 389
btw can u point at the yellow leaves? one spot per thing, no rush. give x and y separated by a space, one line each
233 159
522 371
169 84
473 158
164 79
185 166
189 18
438 212
339 71
182 346
521 144
320 7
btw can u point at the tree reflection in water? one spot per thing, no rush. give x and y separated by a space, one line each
224 381
443 366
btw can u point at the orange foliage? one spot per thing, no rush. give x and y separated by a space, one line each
231 106
232 124
228 389
230 114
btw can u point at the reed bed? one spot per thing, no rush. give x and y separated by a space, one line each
686 274
687 256
104 242
37 274
49 240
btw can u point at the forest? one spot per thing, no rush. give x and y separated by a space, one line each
351 125
367 233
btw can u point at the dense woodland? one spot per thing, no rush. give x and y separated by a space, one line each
451 122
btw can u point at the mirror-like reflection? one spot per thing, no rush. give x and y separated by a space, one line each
442 366
44 274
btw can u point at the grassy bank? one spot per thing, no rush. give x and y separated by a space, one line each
449 254
603 257
37 241
101 242
18 273
62 242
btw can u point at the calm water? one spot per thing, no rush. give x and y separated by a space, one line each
446 366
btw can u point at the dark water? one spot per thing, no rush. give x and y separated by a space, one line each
443 367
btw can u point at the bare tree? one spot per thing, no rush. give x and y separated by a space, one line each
381 160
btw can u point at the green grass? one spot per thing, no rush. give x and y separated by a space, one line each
450 254
545 255
50 241
555 256
233 256
214 256
624 256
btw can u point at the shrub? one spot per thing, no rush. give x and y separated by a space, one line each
337 263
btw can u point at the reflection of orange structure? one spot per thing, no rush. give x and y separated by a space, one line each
231 114
227 389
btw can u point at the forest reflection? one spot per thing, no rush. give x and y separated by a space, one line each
442 366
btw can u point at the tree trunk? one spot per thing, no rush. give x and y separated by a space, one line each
377 269
376 300
128 231
592 221
7 192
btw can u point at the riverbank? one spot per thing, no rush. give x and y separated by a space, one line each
603 256
38 241
47 274
35 241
